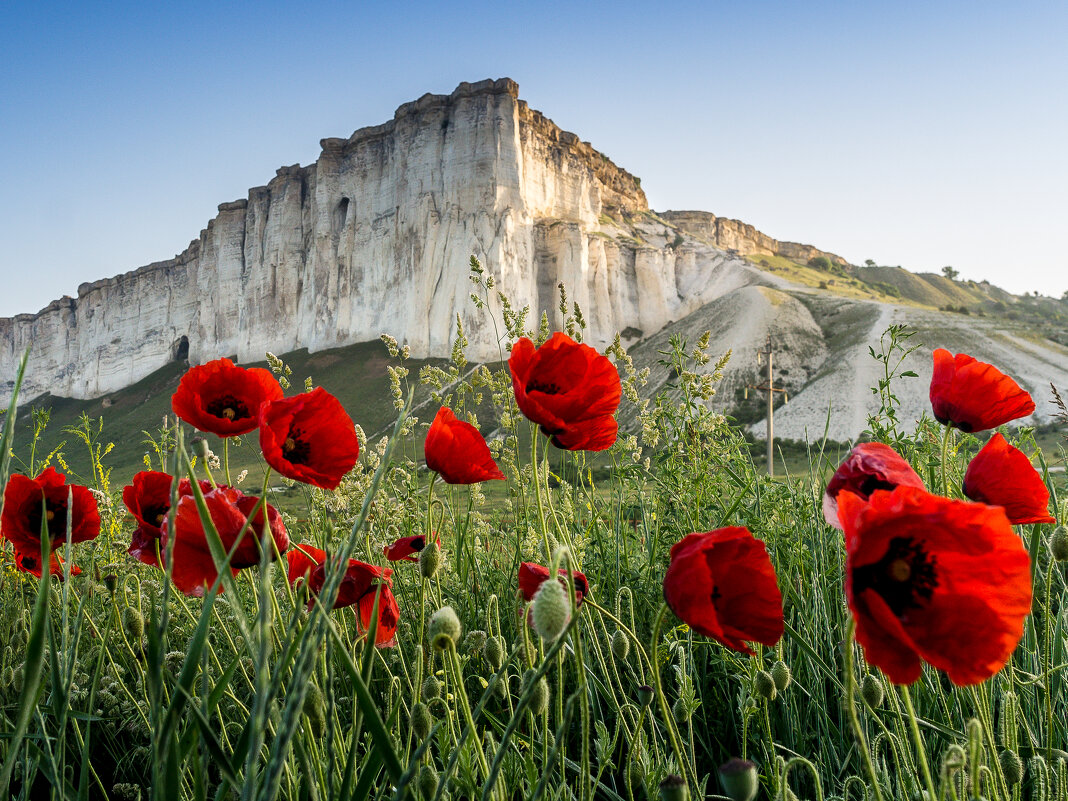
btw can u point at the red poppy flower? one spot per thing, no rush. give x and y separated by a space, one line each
148 498
973 395
1002 475
223 398
935 579
532 575
869 466
570 390
407 548
359 585
194 567
309 438
30 503
721 584
457 452
31 563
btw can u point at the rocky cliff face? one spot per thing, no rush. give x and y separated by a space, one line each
375 237
742 238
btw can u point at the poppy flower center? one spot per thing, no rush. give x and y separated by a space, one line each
546 388
54 517
296 450
229 408
872 483
904 578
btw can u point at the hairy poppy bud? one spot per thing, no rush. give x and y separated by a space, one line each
8 677
502 687
493 653
645 695
431 688
739 780
133 623
475 641
673 788
764 686
780 673
428 782
315 710
1012 766
199 446
110 581
539 701
620 646
1059 543
421 721
16 680
429 560
444 628
871 690
551 610
680 711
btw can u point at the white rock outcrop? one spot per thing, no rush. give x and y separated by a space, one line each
375 237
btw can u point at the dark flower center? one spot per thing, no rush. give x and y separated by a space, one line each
155 514
905 577
547 388
29 562
418 544
55 519
296 450
715 596
872 483
229 408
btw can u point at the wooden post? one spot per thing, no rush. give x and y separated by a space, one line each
769 387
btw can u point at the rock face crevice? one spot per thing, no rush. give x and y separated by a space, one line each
373 238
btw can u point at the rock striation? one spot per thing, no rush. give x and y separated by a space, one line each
741 238
375 237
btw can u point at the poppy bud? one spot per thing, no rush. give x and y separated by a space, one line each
680 711
1011 766
551 610
431 688
8 677
764 686
438 708
428 782
199 446
110 580
1059 543
475 641
502 687
315 710
673 788
645 695
133 623
871 690
739 780
429 560
493 653
421 720
780 673
539 701
620 646
16 680
444 628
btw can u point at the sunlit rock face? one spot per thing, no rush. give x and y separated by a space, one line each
375 237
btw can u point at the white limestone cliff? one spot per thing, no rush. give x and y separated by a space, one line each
375 237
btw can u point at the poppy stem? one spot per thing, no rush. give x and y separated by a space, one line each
945 449
226 461
537 490
917 741
851 706
676 745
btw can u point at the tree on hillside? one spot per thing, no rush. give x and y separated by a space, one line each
950 273
820 263
869 262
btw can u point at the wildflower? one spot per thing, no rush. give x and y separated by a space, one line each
231 515
532 575
309 438
934 579
868 467
569 389
148 499
40 504
224 398
407 548
974 396
457 452
1001 475
359 587
722 584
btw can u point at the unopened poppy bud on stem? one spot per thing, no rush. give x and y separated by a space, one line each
871 690
780 672
199 446
739 780
431 688
1058 544
645 695
428 782
429 560
551 610
764 686
421 720
493 653
539 700
444 628
620 646
133 622
1011 766
673 788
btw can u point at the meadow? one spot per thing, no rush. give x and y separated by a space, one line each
463 671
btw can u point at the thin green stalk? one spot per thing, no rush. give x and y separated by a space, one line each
851 707
669 721
917 741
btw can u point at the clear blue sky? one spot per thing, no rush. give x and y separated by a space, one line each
919 134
